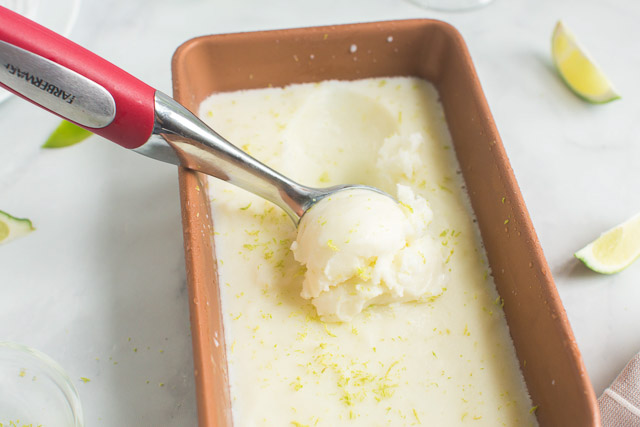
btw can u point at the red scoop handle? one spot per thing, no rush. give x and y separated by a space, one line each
66 79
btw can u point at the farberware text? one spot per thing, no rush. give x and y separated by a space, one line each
41 83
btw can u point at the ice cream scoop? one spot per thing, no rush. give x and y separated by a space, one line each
77 85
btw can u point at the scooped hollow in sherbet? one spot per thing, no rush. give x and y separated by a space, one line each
361 248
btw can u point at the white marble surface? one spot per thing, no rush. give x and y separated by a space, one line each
103 275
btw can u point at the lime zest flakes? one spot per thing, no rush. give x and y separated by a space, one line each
533 409
326 328
297 384
506 221
503 200
363 274
353 377
386 375
246 207
85 379
302 270
384 391
286 243
17 423
449 257
66 135
324 177
22 373
409 208
297 424
347 398
332 246
443 188
415 414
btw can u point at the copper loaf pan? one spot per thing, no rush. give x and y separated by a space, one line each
554 371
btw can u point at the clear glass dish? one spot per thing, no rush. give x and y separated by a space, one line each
35 391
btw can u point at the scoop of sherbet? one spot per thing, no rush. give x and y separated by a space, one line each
361 247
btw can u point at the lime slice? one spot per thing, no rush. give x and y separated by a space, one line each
578 70
12 227
614 250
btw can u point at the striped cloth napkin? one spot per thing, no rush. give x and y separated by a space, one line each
620 403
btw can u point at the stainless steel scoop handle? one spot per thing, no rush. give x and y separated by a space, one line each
179 137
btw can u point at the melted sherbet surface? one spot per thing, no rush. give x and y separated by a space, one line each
445 359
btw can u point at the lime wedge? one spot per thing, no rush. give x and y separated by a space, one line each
578 70
12 227
66 134
614 250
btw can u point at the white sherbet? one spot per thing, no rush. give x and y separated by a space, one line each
361 248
